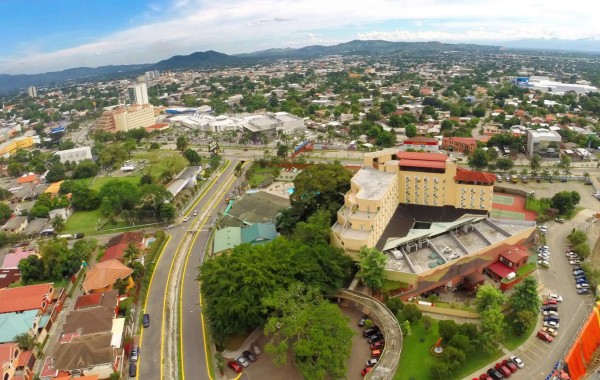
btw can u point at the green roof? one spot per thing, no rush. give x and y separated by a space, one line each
13 324
227 238
259 233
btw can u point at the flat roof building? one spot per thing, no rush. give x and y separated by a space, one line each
75 154
543 142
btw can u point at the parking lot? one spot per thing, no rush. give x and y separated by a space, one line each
540 357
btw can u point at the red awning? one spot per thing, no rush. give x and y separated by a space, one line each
500 269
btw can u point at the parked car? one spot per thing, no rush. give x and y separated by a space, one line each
549 302
494 374
578 273
503 370
377 345
555 297
544 263
370 331
581 280
550 331
243 362
135 353
249 355
517 360
583 291
559 220
132 369
552 324
376 353
552 318
234 366
484 376
371 362
550 308
78 235
146 320
362 321
366 370
575 262
375 338
256 349
186 218
550 312
584 285
544 336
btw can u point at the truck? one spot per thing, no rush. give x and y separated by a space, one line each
514 179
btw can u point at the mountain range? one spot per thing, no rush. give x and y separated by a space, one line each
208 59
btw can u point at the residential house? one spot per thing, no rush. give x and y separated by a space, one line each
89 321
102 276
11 260
30 297
108 299
88 355
117 245
64 213
466 145
15 224
13 324
16 363
36 226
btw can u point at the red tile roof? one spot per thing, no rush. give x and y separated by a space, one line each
136 237
422 156
114 252
500 269
22 298
24 358
515 254
6 351
88 300
27 179
473 176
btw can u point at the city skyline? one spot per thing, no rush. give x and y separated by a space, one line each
48 37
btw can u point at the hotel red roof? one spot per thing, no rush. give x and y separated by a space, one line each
22 298
500 269
473 176
422 156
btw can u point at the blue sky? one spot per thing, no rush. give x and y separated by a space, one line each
48 35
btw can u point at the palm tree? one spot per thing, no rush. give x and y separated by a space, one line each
58 224
131 253
535 164
546 174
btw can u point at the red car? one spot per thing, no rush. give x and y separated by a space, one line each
366 370
510 365
549 302
503 370
542 335
234 366
484 376
377 345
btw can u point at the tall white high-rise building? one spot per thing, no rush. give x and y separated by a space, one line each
138 94
32 91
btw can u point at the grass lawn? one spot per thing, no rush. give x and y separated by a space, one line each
389 285
83 221
134 179
260 175
85 181
416 361
62 283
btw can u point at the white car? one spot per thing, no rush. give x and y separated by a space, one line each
518 362
575 262
555 297
585 285
243 362
550 312
552 324
186 218
195 212
544 263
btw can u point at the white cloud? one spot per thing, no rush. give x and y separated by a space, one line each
236 26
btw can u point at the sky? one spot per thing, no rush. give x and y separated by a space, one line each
50 35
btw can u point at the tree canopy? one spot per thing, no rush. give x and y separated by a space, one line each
372 267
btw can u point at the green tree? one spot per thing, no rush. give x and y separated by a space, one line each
85 169
410 130
282 151
523 320
411 312
489 297
478 160
167 212
525 296
315 230
395 304
492 328
31 268
131 253
447 329
577 237
58 224
320 186
192 156
462 343
182 143
112 156
535 164
5 212
129 145
56 173
315 329
454 358
440 371
372 267
505 164
565 201
26 341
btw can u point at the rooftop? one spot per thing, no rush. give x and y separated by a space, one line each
373 183
12 324
423 249
22 298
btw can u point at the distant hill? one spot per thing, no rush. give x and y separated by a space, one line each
367 47
215 59
14 82
200 59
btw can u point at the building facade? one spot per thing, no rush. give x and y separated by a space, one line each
126 118
75 154
138 94
543 142
390 178
32 91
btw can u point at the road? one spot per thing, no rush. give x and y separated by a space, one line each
160 342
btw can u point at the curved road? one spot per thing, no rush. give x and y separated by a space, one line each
174 276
